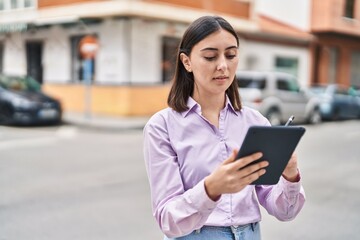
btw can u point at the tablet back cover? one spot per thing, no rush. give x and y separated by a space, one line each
277 144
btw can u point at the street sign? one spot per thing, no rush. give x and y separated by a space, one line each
88 47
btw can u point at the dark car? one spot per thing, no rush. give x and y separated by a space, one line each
22 102
337 102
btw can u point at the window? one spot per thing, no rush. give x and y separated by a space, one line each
16 4
287 85
1 56
247 82
341 91
282 84
169 51
333 63
349 8
355 70
286 64
29 3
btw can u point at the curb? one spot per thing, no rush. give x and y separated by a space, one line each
105 123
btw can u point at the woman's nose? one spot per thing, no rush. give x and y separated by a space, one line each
222 65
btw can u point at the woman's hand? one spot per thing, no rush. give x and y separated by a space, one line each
232 176
291 172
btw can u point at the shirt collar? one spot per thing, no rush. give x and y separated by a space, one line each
228 105
193 105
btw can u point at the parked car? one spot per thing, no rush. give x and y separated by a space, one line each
22 102
277 96
337 101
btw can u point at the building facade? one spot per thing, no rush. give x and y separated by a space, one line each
335 27
137 39
336 52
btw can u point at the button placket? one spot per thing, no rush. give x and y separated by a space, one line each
222 134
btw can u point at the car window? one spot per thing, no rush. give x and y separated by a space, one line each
353 92
18 83
247 82
282 84
287 85
318 90
341 91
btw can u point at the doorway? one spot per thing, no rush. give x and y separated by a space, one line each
1 57
34 60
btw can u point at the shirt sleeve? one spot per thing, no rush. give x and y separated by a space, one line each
178 212
283 200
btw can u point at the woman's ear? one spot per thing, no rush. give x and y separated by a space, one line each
186 62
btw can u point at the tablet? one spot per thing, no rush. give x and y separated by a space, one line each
277 144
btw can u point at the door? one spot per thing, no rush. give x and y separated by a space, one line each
34 60
169 50
1 57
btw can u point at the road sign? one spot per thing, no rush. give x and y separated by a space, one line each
88 47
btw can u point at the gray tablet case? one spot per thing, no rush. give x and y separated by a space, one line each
277 144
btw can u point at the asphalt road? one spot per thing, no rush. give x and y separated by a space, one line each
65 183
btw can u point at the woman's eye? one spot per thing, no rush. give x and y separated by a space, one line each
210 58
230 56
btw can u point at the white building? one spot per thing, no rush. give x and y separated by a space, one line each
137 40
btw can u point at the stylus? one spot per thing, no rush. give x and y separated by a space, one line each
291 118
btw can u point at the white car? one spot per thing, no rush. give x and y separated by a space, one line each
277 96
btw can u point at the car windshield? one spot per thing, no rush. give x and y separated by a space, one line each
318 90
18 83
244 82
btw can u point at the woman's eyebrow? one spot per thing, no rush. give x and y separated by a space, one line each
215 49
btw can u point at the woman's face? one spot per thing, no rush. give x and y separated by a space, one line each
213 62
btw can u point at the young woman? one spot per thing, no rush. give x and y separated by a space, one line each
197 189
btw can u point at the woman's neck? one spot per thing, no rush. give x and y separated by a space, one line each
210 103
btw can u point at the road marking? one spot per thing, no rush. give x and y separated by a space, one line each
66 132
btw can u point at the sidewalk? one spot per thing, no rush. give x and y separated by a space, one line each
112 123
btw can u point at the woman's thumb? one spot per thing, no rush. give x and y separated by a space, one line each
232 157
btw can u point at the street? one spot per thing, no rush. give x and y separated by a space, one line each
67 183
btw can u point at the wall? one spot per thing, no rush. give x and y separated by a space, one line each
263 57
14 55
346 46
129 53
237 8
296 13
56 56
52 3
111 100
145 51
328 15
113 56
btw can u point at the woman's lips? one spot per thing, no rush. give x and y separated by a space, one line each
221 78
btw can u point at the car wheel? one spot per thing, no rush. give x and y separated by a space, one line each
315 117
274 117
336 115
5 114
